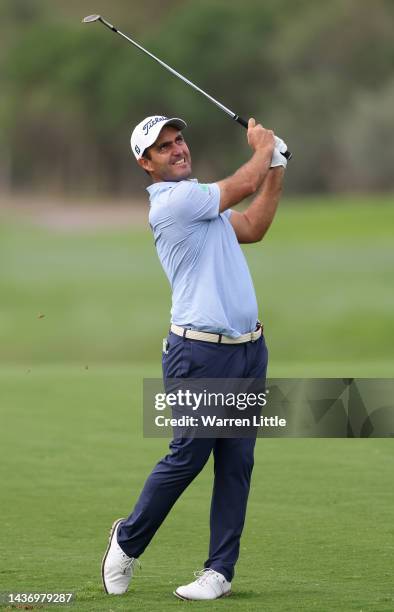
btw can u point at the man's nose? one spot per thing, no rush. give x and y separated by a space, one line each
177 148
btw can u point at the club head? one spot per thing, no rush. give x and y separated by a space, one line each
91 18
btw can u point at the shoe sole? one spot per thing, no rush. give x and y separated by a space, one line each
111 535
227 594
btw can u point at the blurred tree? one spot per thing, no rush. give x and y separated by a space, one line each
20 11
366 154
333 53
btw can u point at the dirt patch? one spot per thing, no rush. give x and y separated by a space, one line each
73 215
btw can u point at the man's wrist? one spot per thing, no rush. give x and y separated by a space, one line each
261 161
266 149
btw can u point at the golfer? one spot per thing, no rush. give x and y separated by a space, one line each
214 333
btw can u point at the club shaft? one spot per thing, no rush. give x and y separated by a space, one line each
172 70
224 108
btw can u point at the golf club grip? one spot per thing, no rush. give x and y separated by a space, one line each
242 121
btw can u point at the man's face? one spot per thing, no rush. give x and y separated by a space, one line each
170 158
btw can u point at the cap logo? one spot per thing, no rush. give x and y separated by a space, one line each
147 126
137 149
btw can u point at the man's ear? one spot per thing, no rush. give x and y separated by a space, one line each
145 163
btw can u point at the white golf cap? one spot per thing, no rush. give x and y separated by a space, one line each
147 132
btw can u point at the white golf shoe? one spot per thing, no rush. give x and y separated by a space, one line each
209 585
116 568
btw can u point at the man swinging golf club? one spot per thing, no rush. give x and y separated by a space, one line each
214 333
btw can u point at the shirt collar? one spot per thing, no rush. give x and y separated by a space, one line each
156 188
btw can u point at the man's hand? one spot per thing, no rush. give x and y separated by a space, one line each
259 137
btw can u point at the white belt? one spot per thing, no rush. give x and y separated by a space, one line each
216 338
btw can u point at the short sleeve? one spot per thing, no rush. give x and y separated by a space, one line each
191 202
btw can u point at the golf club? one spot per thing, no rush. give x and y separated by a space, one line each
92 18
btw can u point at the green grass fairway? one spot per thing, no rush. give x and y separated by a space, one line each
82 317
323 278
319 533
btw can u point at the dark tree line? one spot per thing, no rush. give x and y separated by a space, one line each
320 74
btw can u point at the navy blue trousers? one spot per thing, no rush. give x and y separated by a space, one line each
233 457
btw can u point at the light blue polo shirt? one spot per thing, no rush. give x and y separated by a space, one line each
212 289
